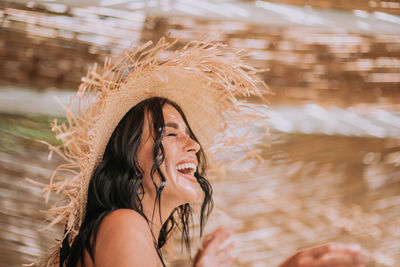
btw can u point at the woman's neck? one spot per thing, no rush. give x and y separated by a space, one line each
152 212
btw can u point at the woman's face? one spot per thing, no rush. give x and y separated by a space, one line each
180 161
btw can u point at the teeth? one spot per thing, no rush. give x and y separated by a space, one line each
190 166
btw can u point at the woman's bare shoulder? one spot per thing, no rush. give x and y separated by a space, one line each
125 239
125 218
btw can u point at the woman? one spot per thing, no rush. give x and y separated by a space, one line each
153 156
137 163
132 144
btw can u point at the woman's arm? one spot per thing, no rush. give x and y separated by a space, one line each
124 239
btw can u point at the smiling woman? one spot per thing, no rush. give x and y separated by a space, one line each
147 176
136 141
137 164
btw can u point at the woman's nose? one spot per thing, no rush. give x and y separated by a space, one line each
191 145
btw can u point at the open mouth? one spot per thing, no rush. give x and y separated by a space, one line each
187 169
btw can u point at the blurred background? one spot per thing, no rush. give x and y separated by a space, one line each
330 169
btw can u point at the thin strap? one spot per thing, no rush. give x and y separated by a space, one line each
159 255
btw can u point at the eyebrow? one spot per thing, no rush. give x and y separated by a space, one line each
176 126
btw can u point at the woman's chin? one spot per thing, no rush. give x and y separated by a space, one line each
182 188
187 190
189 193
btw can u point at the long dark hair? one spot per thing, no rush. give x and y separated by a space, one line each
117 182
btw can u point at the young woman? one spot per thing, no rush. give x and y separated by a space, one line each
136 145
136 139
151 170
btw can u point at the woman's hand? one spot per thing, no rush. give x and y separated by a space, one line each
328 255
215 250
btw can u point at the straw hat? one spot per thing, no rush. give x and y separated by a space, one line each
207 80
